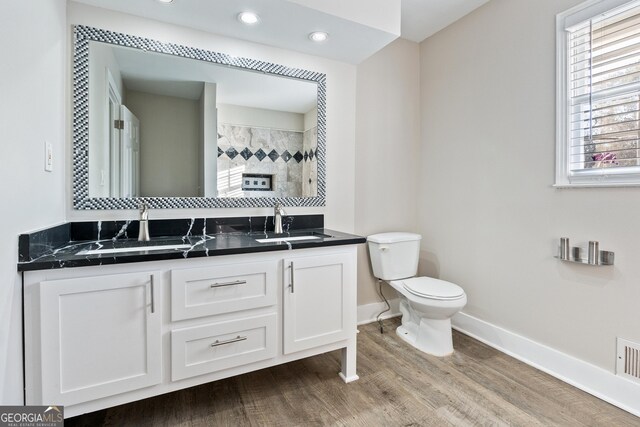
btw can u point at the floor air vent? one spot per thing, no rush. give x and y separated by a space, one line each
628 360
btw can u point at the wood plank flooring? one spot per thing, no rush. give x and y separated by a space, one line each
398 386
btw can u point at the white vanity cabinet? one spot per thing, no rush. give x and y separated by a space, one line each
101 336
98 336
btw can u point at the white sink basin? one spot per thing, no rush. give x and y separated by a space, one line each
286 239
131 249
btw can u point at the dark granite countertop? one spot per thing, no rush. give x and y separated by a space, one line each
82 244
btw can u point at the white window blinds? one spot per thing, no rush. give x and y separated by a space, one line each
604 92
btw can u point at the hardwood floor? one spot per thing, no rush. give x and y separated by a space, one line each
398 386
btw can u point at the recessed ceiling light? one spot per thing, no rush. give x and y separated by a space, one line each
319 36
165 1
248 18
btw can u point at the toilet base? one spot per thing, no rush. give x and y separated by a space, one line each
432 336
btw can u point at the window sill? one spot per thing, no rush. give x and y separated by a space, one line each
613 177
595 185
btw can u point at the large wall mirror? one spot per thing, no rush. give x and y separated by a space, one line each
179 127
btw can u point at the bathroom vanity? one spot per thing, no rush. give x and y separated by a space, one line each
110 320
137 322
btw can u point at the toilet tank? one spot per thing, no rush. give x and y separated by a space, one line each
394 255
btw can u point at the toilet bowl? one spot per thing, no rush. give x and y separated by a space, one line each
426 304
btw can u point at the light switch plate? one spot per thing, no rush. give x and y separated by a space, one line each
48 156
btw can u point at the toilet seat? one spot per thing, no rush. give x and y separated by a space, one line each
436 289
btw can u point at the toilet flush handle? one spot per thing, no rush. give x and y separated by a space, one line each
384 248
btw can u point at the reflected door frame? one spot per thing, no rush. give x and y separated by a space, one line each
129 153
114 100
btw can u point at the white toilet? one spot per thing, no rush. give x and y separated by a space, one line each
426 304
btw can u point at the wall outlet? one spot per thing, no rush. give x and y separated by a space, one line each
48 156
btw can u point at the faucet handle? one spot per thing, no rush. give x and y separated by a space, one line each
144 211
143 232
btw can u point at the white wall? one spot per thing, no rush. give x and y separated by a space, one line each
388 147
341 82
209 140
260 117
310 119
33 86
169 140
488 213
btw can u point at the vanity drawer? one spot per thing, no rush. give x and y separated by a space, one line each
199 292
209 348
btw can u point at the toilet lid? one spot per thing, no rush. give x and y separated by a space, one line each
429 287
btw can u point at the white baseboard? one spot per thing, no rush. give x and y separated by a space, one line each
367 313
603 384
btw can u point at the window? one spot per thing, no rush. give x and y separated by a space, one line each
598 94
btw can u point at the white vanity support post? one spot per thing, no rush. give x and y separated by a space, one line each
349 353
348 373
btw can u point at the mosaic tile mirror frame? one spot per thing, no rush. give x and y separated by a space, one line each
284 155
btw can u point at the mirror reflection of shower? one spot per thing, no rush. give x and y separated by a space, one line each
165 126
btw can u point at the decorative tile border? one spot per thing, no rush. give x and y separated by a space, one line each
81 199
232 153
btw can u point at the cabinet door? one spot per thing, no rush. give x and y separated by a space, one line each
316 300
100 336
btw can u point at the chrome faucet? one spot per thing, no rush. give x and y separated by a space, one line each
143 232
278 211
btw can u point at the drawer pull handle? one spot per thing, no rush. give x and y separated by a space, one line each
232 340
153 299
291 277
236 282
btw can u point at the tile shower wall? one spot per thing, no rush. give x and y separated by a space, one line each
287 155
